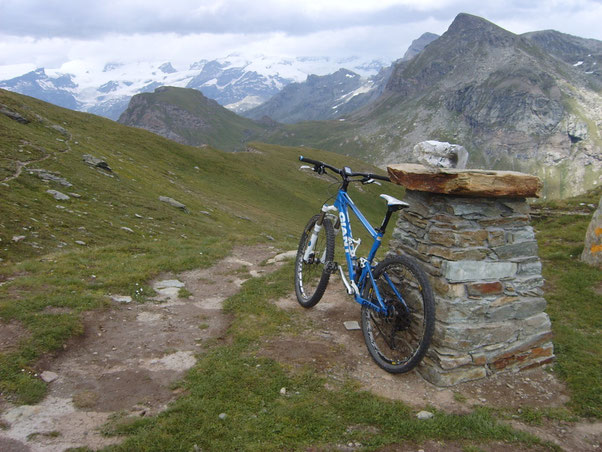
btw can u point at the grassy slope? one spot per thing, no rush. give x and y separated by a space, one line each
574 294
230 198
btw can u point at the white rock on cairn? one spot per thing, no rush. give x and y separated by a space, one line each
441 154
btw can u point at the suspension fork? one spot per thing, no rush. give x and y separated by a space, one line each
316 230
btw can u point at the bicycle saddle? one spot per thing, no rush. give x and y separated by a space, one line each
394 203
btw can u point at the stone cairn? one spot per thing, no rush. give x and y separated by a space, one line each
470 231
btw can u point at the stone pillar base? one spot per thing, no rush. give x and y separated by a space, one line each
481 256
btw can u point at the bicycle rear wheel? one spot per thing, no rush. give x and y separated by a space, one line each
311 275
398 340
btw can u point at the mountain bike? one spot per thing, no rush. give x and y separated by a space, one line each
398 308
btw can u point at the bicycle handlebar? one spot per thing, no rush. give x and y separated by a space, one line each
320 166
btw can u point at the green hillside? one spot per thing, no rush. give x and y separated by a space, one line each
59 258
188 117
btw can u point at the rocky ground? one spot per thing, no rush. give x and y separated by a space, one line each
131 354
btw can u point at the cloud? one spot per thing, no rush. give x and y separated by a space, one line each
51 33
88 20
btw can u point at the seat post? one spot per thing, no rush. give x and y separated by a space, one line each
383 226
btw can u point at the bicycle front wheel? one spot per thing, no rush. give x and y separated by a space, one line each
312 274
398 340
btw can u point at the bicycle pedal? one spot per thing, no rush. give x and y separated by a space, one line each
332 267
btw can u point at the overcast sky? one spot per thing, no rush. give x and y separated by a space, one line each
50 33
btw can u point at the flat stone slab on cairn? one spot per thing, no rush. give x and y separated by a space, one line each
467 182
470 232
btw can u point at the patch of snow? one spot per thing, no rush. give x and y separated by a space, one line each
578 63
245 104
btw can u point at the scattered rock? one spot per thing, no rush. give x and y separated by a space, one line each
13 115
48 176
168 283
283 256
282 391
18 238
172 202
48 376
352 325
222 416
125 228
121 298
58 195
576 129
422 415
60 129
75 195
80 242
96 162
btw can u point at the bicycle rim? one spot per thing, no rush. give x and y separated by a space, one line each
311 277
399 339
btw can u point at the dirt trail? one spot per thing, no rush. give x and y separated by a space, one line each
129 356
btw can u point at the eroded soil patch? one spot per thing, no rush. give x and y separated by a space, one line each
129 357
11 334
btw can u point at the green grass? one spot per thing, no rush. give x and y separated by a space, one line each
573 292
233 380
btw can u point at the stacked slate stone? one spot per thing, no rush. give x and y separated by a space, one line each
481 257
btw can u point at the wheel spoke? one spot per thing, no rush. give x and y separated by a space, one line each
398 340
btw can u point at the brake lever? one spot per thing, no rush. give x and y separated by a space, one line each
368 180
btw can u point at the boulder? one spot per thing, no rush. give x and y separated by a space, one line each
58 195
576 129
438 154
465 182
172 202
96 162
592 252
48 176
13 114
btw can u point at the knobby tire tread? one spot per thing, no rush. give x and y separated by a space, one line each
429 315
316 296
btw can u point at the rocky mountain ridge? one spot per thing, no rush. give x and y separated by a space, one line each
330 96
234 81
502 96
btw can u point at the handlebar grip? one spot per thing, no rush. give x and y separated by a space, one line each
313 162
376 176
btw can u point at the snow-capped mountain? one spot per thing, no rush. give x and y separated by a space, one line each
236 82
58 90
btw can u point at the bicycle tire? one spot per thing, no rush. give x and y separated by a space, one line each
396 341
306 273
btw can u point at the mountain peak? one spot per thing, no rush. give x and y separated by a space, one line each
418 45
472 28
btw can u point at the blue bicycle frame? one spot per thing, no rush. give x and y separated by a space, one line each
343 203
